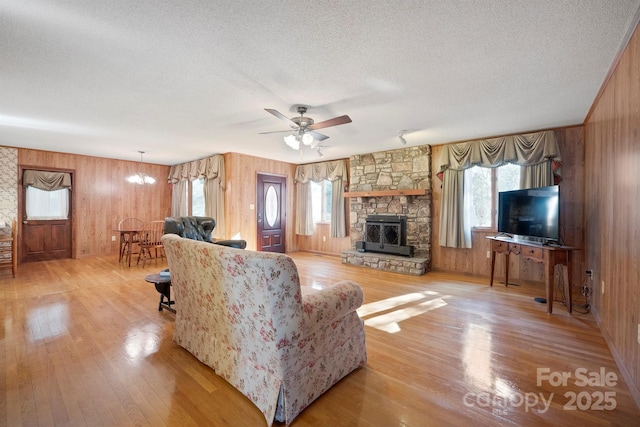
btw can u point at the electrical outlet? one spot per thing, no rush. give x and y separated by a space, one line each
113 238
488 254
602 287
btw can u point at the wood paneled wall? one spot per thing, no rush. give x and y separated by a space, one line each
474 261
102 196
241 172
612 196
240 195
322 242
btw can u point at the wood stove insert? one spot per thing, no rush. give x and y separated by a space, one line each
385 234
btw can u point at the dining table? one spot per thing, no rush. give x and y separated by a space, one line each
127 236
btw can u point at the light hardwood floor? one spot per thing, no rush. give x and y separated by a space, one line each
83 344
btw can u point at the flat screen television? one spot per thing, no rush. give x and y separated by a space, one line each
532 213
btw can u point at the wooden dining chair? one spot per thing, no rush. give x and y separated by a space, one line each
150 238
127 240
9 249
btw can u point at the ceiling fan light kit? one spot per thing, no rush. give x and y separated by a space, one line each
303 128
292 141
307 139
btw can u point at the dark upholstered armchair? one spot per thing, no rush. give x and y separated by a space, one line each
197 228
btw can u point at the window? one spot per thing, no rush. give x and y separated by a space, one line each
194 197
197 197
47 205
321 201
481 192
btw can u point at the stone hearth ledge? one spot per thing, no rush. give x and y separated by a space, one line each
394 263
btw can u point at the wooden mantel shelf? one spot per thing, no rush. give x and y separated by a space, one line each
383 193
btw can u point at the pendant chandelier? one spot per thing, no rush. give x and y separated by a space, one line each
141 178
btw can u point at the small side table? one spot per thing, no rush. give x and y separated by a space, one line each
163 285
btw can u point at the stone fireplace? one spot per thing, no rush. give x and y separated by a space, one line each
392 183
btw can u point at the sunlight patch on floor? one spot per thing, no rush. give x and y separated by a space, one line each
389 320
48 321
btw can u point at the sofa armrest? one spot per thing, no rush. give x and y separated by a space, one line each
330 304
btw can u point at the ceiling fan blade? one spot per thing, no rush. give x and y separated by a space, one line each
274 131
281 116
317 136
331 122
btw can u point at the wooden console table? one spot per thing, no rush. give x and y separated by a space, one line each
550 255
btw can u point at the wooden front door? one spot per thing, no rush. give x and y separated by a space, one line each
271 212
44 240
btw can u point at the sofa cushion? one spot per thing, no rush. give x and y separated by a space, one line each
190 227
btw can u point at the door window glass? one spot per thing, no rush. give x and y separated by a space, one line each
47 205
271 206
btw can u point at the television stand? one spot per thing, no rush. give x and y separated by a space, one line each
549 255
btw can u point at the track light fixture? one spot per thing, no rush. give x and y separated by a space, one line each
401 137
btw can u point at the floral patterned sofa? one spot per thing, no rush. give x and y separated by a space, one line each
244 314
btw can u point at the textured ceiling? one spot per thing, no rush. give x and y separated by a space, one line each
185 80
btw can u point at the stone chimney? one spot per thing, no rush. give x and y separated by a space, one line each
402 169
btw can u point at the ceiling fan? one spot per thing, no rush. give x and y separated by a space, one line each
303 129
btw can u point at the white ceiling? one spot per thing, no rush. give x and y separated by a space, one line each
182 80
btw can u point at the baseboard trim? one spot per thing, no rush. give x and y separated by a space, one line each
626 376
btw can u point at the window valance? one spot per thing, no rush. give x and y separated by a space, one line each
525 150
207 168
46 180
332 170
